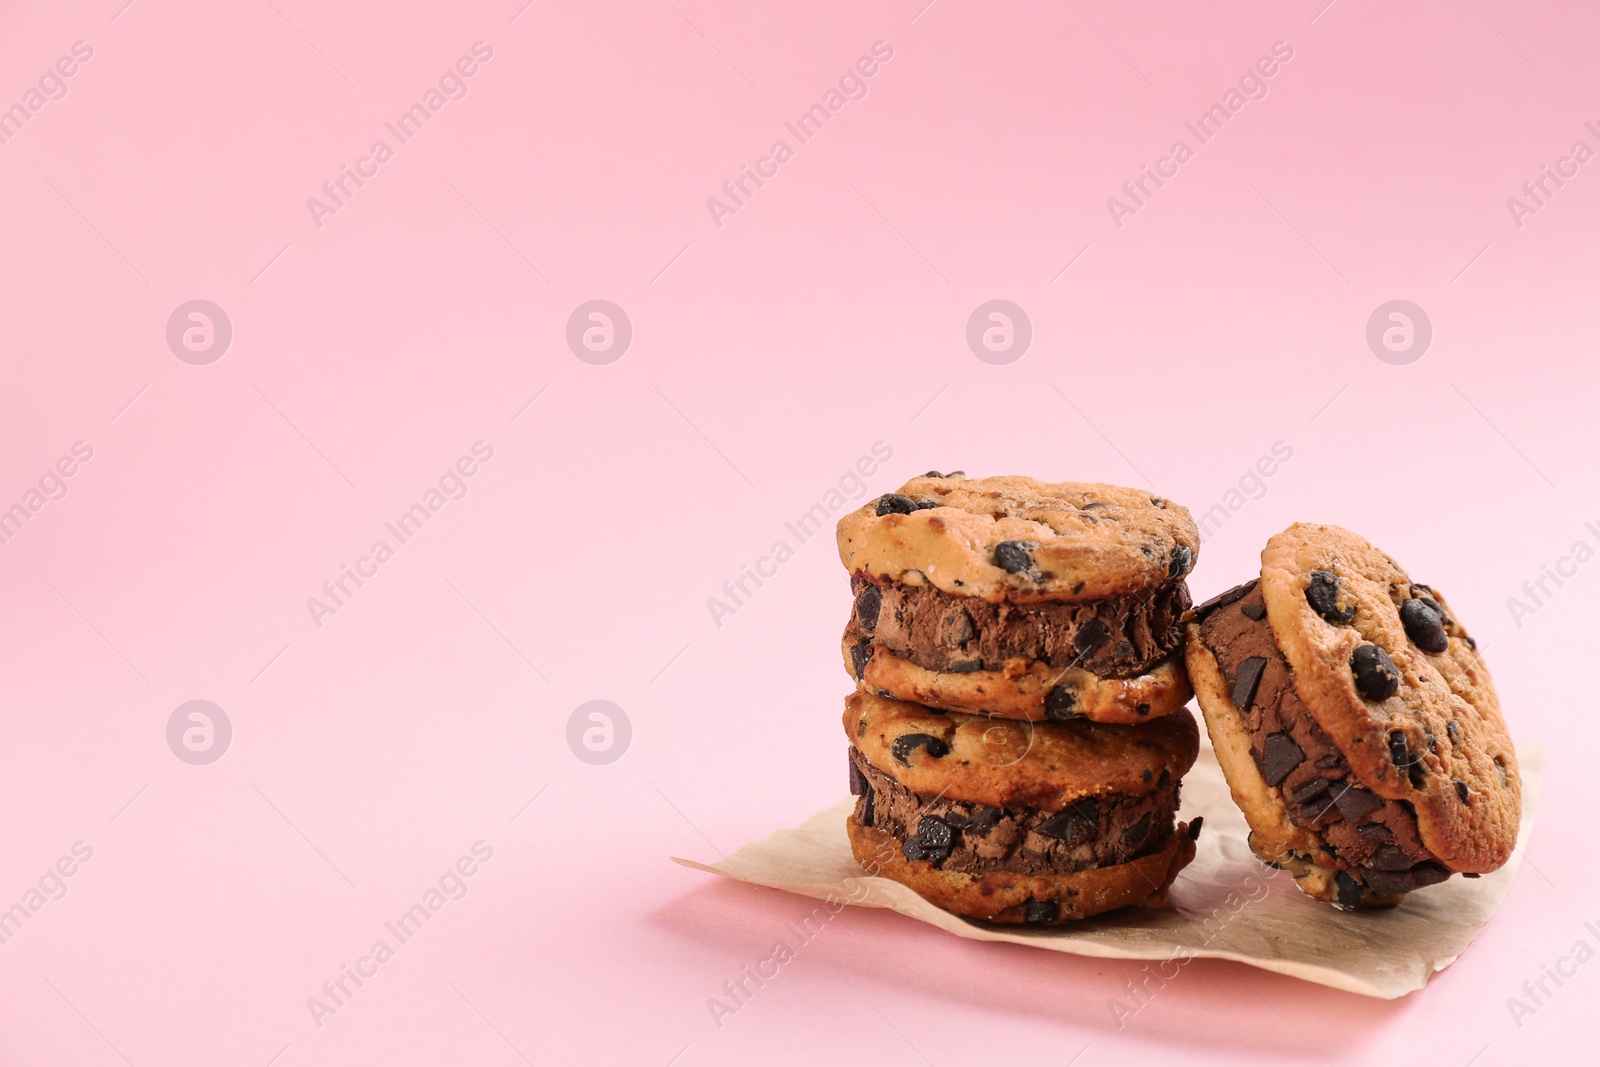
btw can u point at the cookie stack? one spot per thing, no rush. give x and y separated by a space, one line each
1018 733
1355 722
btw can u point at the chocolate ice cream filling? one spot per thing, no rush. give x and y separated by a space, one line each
939 631
975 839
1376 839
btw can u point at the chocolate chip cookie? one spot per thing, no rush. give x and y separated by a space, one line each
1019 598
1017 822
1355 721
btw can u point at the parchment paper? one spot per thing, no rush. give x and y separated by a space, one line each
1225 905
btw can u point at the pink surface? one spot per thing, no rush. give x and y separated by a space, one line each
375 743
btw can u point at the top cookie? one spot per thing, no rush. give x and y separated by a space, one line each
1018 539
1394 680
1005 763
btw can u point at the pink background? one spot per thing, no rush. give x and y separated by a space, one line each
768 355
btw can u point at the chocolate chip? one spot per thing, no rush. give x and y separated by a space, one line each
1376 675
933 474
1059 704
858 781
1043 911
896 504
1454 731
927 505
1357 804
1400 753
1253 612
1194 827
1424 625
1309 790
868 806
965 668
1349 890
1090 636
1329 762
1279 756
1179 563
1142 709
1470 642
1146 774
1015 557
1222 600
1134 836
1245 682
1438 609
1462 791
957 628
906 744
1323 595
860 652
1070 827
868 605
1158 502
1390 858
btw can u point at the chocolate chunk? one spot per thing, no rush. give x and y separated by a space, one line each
1223 599
1245 682
1376 675
1146 774
934 832
1470 642
1454 731
868 806
1309 790
965 668
1323 596
1375 831
1356 804
1194 827
933 474
909 743
1134 836
1424 625
1015 557
868 604
1390 858
1158 502
1254 612
1279 756
1142 709
1428 874
1071 826
1349 890
1181 560
978 823
1043 911
1329 762
858 781
860 652
1462 791
896 504
1059 704
1390 883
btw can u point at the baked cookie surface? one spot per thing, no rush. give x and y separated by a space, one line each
1005 763
1019 539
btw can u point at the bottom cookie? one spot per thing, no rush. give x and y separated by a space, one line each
1037 899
